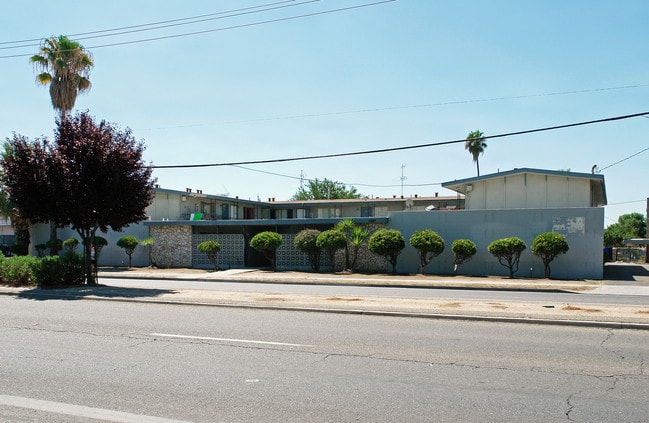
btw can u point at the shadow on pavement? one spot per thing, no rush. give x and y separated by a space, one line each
99 291
627 272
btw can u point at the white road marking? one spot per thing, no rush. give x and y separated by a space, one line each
245 341
81 411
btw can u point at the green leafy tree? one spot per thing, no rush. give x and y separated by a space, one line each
614 235
508 252
634 223
429 244
463 251
306 242
331 241
628 226
148 244
387 243
475 144
355 236
211 248
267 243
325 190
71 244
65 67
548 246
91 178
128 243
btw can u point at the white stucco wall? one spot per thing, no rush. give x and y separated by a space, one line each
527 191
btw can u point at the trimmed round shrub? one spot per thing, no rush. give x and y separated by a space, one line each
211 248
508 252
306 242
548 246
266 243
128 243
387 243
331 241
429 244
463 250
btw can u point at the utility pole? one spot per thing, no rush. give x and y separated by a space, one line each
403 178
646 247
301 179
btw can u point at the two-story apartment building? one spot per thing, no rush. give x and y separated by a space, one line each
520 202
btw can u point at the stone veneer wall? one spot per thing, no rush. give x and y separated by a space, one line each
172 246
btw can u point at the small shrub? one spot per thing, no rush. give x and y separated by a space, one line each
128 243
40 249
387 243
18 270
60 271
148 243
463 250
71 244
429 244
508 252
55 245
211 248
306 241
548 246
331 241
266 243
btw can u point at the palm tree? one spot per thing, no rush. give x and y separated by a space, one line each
66 66
475 143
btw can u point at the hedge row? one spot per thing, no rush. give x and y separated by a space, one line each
45 272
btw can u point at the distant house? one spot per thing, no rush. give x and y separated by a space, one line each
521 202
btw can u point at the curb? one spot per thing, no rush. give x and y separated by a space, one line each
477 287
420 315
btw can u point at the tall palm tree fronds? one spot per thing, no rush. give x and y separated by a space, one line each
65 67
475 144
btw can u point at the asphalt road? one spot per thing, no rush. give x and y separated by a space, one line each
356 291
76 360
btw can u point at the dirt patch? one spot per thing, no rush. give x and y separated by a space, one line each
335 298
454 304
587 310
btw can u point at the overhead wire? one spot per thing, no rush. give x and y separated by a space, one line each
410 106
402 148
148 24
625 159
245 25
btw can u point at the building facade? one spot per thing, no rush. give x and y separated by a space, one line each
520 202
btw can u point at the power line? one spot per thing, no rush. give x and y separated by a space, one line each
151 24
626 158
301 178
251 24
411 106
410 147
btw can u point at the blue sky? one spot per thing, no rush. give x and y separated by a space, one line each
394 74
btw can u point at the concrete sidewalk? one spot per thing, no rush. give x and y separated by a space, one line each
598 315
